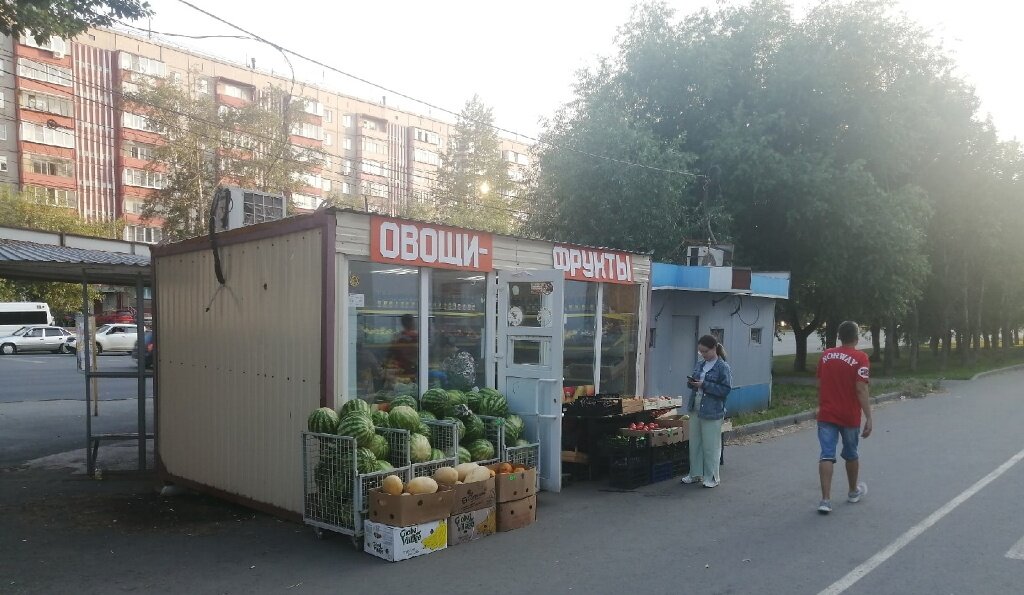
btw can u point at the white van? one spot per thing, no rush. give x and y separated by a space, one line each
14 315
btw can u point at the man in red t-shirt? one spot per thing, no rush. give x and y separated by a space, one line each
843 376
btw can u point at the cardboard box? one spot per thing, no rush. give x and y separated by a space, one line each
575 456
473 496
514 486
517 513
401 543
406 511
672 420
660 437
632 404
472 525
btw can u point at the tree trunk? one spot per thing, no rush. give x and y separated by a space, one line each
913 338
876 342
947 336
890 348
933 344
800 334
831 333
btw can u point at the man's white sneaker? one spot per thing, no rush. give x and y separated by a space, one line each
825 506
855 496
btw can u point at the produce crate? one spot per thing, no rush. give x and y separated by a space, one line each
629 463
671 452
335 494
528 456
444 436
661 471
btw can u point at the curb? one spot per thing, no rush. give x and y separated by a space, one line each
997 371
797 418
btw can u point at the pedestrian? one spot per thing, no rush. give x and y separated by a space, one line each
710 384
843 376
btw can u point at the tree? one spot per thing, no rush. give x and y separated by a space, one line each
473 187
66 18
18 211
205 145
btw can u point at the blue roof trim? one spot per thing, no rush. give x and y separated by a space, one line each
698 278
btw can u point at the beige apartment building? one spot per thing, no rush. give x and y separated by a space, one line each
67 136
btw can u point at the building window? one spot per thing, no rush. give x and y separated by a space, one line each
237 92
347 144
141 151
313 108
48 73
307 130
50 166
3 131
202 86
424 156
48 103
58 137
374 189
515 157
134 206
328 115
58 46
718 334
3 99
3 163
138 122
346 121
59 197
755 336
328 139
311 180
143 178
346 167
372 146
141 65
175 78
307 202
368 124
375 168
346 188
146 235
427 136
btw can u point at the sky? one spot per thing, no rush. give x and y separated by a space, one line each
522 57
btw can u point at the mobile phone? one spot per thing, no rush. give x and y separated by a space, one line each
691 379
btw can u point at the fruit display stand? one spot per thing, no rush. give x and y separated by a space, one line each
335 493
444 436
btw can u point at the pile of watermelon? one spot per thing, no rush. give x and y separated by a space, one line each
465 409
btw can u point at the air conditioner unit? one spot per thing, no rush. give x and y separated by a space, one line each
58 54
235 207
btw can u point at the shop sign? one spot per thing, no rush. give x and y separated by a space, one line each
593 264
422 244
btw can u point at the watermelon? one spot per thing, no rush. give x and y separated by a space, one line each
426 415
379 447
323 421
419 448
365 461
474 428
358 426
480 450
464 456
494 405
353 406
461 427
381 419
513 427
436 454
404 417
473 399
423 429
406 400
522 442
435 401
384 466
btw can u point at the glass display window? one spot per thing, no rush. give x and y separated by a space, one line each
580 333
383 330
619 327
458 319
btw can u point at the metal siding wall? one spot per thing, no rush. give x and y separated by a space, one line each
237 382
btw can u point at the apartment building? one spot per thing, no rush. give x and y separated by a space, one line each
72 140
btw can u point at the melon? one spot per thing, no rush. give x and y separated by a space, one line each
365 461
435 401
404 401
473 399
419 448
478 474
474 428
385 466
446 476
422 485
464 456
463 470
480 450
423 429
379 446
358 426
493 405
323 421
427 416
354 406
404 417
513 427
393 485
381 419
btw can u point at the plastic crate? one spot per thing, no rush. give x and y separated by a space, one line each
631 472
661 471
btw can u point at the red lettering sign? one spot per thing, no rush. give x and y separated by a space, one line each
396 241
593 264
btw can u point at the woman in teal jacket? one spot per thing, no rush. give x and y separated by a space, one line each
710 382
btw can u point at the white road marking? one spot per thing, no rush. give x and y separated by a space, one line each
903 540
1017 551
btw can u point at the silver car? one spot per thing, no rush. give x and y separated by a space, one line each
38 338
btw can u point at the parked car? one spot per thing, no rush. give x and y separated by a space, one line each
116 337
38 338
150 350
116 317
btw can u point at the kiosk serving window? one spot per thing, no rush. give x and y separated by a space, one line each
457 329
619 324
580 332
383 329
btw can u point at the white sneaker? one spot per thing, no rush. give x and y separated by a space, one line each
711 482
855 496
690 479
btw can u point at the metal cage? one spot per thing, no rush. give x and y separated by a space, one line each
444 436
494 431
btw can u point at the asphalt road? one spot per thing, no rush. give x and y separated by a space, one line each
43 410
943 515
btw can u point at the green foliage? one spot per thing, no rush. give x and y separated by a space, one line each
205 146
473 185
66 18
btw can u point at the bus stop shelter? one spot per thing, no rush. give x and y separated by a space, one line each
31 255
